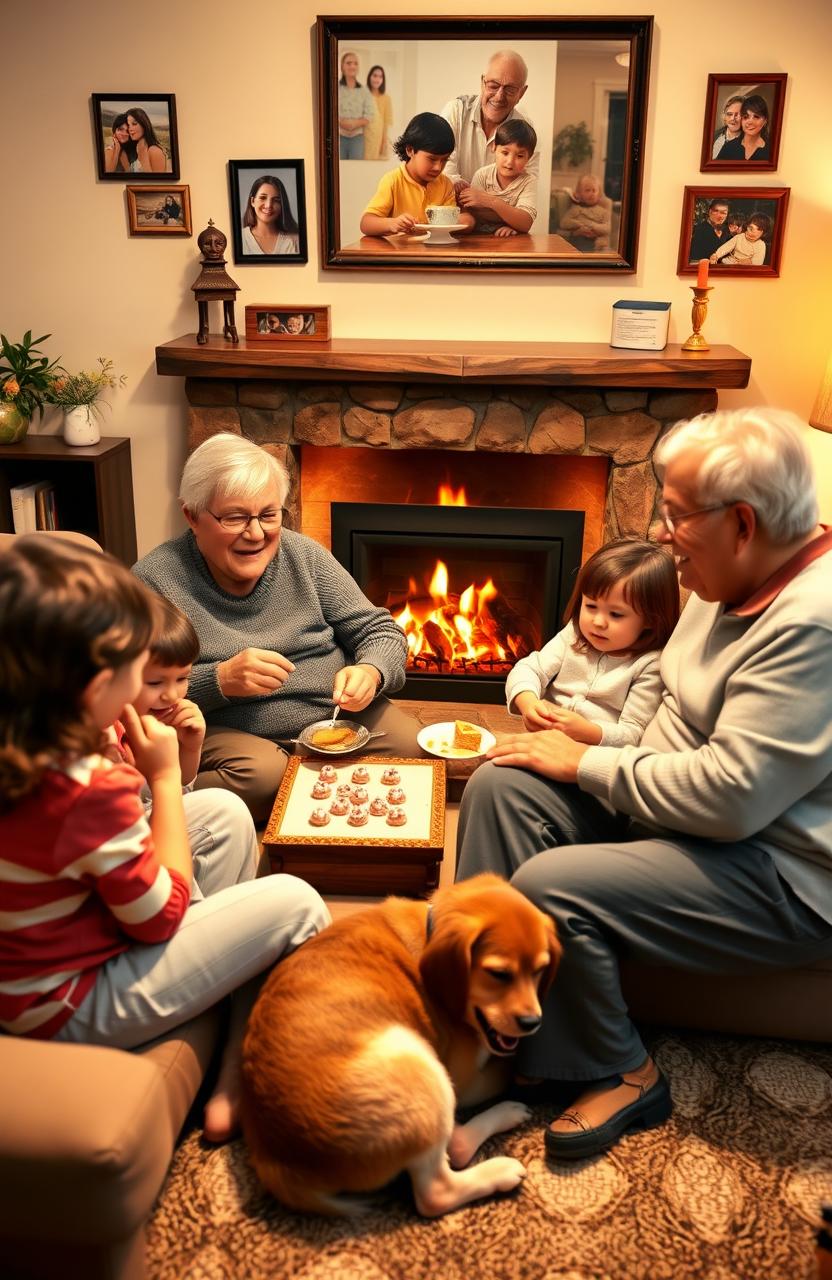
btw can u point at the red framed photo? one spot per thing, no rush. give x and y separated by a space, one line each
738 229
743 122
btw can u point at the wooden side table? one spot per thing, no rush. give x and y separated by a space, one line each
371 859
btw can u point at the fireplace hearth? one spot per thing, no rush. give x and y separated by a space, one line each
473 588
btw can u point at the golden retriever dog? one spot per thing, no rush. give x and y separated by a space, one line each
363 1041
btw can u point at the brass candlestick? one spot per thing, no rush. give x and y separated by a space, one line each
696 341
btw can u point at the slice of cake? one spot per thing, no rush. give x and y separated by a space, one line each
467 737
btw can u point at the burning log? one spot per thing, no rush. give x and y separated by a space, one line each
508 628
437 640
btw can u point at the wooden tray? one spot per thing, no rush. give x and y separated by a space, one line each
375 858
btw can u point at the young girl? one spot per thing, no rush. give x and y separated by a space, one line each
98 942
404 194
748 249
269 225
598 679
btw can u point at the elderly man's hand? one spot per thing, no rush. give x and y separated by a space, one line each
355 687
548 752
253 673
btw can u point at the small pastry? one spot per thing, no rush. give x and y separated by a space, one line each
361 774
391 777
357 815
396 817
396 795
328 773
378 807
319 817
359 795
339 806
344 792
321 791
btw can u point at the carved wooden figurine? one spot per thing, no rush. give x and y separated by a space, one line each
214 284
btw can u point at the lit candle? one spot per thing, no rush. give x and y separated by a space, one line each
702 274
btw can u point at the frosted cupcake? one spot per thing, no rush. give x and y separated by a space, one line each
361 774
357 815
339 806
396 817
319 817
344 792
378 808
321 791
396 795
328 773
359 795
391 777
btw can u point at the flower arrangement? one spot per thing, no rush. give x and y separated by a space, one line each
26 376
71 390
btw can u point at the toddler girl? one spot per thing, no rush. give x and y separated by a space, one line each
747 249
598 679
98 942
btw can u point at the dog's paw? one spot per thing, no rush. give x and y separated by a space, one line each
509 1115
507 1173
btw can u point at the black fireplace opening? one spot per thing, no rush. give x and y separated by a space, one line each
474 588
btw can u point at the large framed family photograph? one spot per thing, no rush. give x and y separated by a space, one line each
504 144
738 229
743 121
135 136
268 211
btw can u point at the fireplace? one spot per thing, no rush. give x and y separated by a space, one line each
473 588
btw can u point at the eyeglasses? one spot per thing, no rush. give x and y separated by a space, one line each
672 522
238 521
510 91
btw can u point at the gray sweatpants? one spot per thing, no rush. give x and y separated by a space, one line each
666 899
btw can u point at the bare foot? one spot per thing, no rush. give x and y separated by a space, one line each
221 1120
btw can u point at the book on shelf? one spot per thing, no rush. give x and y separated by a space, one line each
33 506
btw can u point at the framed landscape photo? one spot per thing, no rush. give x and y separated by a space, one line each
160 209
135 136
743 122
738 229
576 87
268 211
280 323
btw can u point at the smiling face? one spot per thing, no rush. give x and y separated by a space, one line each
717 215
501 88
609 623
753 231
510 159
237 561
375 80
731 118
110 691
753 123
135 129
702 545
266 203
349 66
121 134
163 688
294 324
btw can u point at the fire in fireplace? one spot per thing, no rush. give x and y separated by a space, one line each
473 588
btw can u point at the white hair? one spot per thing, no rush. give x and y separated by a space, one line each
228 466
515 57
758 456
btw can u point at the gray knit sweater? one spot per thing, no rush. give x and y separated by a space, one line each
306 606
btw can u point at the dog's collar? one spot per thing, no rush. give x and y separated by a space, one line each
429 923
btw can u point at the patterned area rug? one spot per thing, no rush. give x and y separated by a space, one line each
729 1190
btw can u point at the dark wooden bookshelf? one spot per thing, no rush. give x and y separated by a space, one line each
93 487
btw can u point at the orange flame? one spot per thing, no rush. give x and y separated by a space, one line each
448 497
451 630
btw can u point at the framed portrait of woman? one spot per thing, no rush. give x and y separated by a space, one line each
743 122
268 211
135 136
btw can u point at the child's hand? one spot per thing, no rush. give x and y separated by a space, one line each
155 746
535 711
189 723
405 222
713 259
505 231
576 727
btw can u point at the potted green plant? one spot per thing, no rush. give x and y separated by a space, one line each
25 384
80 395
573 144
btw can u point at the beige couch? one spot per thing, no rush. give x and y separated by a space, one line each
86 1138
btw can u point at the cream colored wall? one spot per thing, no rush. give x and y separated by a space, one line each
245 87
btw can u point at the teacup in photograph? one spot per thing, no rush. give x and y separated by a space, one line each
443 214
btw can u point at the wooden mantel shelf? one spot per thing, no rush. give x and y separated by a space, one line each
593 364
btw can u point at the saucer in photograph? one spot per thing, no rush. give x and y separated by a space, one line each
438 740
440 234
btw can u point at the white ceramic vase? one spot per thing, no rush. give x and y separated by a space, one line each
81 426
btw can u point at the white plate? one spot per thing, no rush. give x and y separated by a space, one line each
437 740
439 233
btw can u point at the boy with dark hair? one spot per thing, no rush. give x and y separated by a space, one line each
403 195
503 194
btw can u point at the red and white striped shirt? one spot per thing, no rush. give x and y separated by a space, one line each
79 883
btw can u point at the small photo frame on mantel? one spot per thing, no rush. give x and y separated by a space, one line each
743 122
738 229
135 136
161 209
282 325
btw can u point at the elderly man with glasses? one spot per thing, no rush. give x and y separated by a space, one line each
285 634
475 117
708 847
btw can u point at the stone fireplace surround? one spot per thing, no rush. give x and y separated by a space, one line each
568 399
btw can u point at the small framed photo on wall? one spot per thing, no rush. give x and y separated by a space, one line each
135 136
268 211
738 229
277 322
163 209
743 122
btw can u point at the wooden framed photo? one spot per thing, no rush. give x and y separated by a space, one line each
135 136
160 209
574 87
738 229
277 322
743 122
268 211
